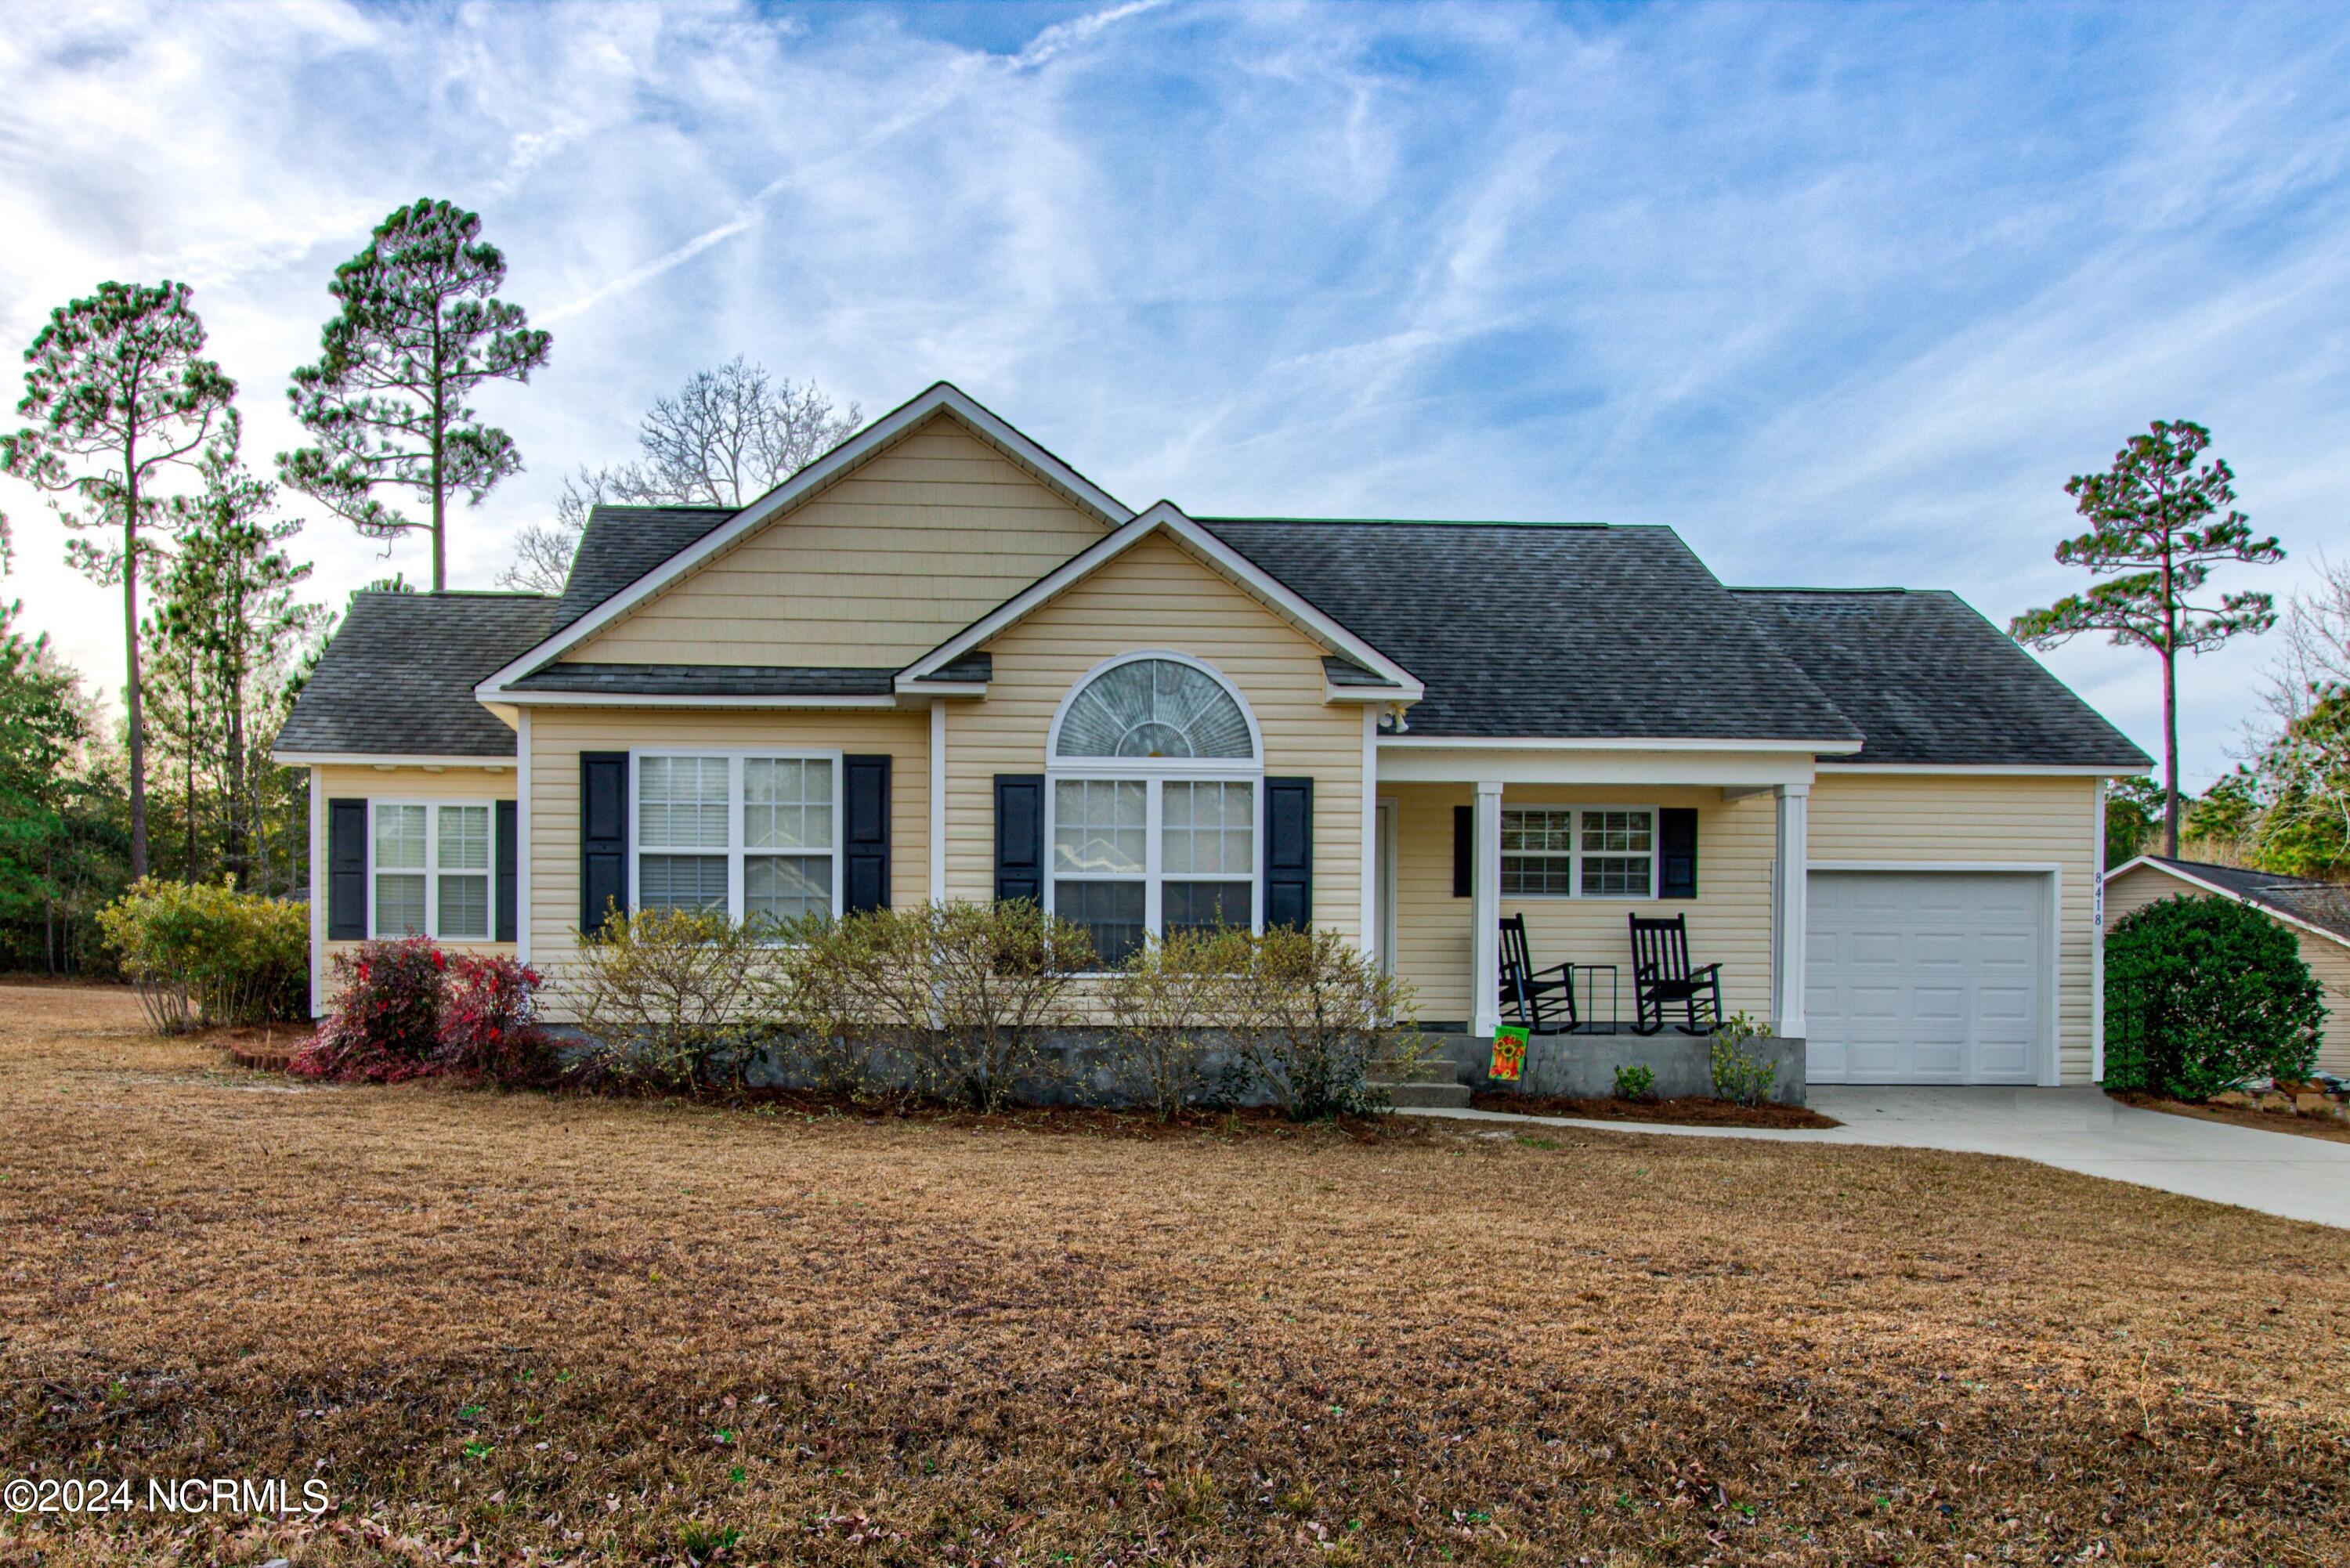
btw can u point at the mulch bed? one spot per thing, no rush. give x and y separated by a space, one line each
2238 1116
1693 1111
508 1328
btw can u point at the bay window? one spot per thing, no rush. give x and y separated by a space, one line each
1579 852
751 835
429 869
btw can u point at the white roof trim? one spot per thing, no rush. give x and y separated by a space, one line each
1988 770
1166 518
941 398
643 700
1605 743
2151 864
385 759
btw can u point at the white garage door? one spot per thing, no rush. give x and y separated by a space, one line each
1925 977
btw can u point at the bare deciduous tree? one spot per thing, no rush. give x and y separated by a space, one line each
725 439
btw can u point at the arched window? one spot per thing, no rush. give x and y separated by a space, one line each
1155 707
1155 770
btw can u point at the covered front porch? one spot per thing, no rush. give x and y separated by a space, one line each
1575 840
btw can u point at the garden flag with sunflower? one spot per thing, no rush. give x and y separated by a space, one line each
1509 1053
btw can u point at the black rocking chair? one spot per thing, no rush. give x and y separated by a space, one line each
1541 999
1662 979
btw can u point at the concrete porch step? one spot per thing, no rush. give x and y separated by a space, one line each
1426 1096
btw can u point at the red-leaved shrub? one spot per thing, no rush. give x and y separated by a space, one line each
386 1025
489 1023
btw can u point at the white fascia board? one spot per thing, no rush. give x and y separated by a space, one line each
941 398
907 687
2218 891
1167 518
1607 743
1986 770
634 699
1723 766
385 759
1333 692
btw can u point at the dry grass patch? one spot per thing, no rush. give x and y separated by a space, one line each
510 1328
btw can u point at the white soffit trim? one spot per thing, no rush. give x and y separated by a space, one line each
633 699
2151 864
385 759
1605 743
1165 517
941 398
1987 770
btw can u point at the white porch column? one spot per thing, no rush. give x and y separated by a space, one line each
522 837
1790 909
2096 940
1485 909
937 800
1368 931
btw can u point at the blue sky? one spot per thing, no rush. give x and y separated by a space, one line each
1842 293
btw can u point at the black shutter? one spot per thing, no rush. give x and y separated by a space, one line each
1020 837
508 890
865 836
1288 853
603 836
1677 852
1465 851
346 870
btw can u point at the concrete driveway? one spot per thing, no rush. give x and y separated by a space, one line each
2073 1128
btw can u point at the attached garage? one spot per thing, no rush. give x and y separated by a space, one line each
1929 977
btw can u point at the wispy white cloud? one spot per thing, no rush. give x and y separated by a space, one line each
1844 294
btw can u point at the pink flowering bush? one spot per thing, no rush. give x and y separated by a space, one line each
386 1025
489 1023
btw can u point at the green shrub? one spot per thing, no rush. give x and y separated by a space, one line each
201 953
1740 1077
1637 1082
667 998
1320 1012
2202 993
1170 1001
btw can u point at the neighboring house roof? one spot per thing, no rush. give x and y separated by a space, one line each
621 543
2305 901
397 678
1929 681
1565 630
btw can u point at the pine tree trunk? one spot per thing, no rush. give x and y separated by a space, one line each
239 845
136 717
2170 753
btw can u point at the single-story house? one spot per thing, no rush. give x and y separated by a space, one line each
2317 913
940 663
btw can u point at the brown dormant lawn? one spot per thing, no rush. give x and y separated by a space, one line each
507 1328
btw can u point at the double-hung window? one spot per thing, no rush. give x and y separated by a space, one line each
430 869
1579 852
1154 804
753 836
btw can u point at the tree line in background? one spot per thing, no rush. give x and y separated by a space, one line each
134 434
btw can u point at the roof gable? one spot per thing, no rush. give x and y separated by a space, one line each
711 543
2317 906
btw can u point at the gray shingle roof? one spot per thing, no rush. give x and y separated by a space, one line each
621 543
709 681
398 676
1927 681
2326 905
1564 630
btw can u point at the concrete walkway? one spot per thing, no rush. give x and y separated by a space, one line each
2073 1128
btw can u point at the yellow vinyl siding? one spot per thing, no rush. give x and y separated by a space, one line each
1729 920
560 734
1157 596
878 569
458 786
1930 819
2329 960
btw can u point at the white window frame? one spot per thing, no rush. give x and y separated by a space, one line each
431 871
735 757
1574 857
1155 773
